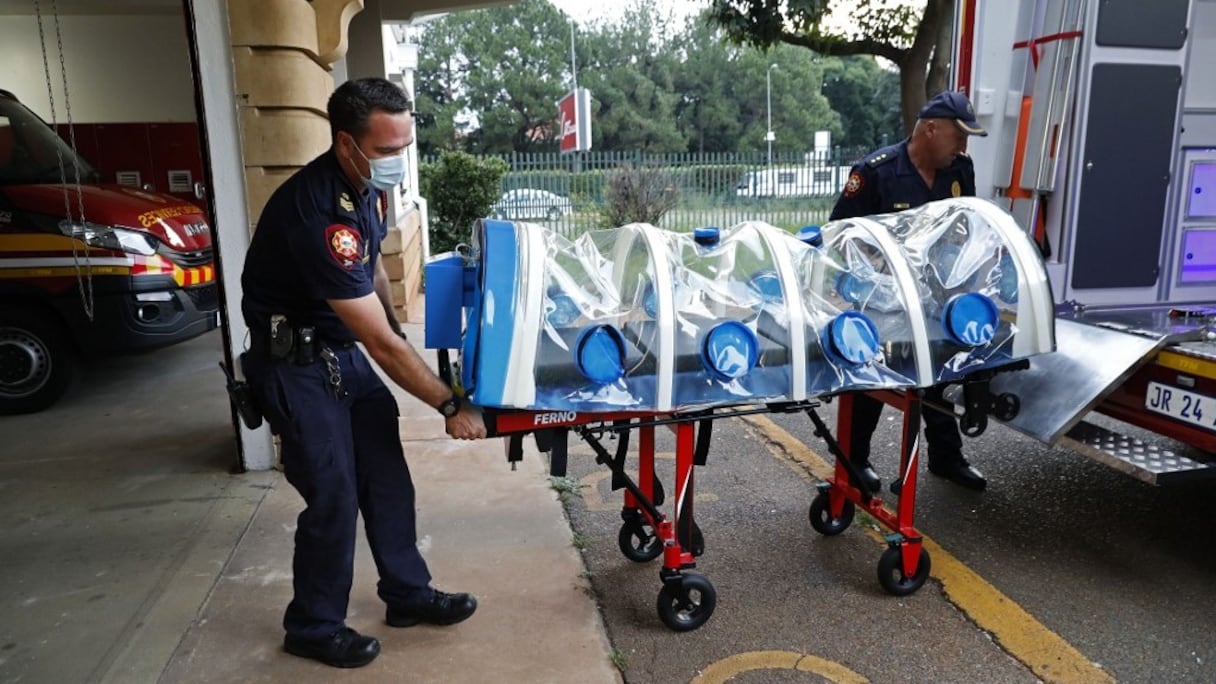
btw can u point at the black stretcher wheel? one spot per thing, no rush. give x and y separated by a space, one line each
638 542
821 516
686 604
891 575
1006 406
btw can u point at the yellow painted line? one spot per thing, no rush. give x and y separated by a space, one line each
1187 364
727 668
1046 653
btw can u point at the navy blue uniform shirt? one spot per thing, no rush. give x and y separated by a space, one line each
318 238
885 181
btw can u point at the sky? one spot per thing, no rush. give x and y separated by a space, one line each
585 11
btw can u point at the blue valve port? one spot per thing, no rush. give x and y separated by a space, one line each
599 354
730 350
851 339
970 319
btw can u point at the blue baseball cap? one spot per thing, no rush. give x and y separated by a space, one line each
950 104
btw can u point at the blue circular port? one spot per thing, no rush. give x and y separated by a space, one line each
852 289
599 354
811 235
851 339
562 311
650 301
707 236
767 284
970 319
730 350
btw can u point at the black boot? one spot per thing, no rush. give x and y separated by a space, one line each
869 478
959 471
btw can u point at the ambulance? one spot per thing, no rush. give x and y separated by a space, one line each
1102 117
87 268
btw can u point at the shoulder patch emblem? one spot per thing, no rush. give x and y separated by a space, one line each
956 189
854 184
343 243
345 203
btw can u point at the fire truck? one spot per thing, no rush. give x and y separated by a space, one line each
1103 145
87 269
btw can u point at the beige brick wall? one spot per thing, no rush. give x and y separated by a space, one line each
281 52
402 254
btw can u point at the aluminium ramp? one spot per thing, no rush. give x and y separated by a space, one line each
1060 388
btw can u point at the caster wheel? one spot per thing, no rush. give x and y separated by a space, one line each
1007 406
686 604
638 542
891 575
821 516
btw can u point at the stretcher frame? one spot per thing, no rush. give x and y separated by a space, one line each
687 599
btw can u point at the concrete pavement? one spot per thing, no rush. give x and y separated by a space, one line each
134 557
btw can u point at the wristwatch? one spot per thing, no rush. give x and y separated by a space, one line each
450 406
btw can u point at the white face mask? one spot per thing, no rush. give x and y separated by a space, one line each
387 172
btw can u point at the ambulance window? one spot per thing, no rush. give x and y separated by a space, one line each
1202 203
32 152
1198 256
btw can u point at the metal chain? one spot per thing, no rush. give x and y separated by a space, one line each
84 281
334 368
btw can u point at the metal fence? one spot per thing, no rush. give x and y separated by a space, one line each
567 191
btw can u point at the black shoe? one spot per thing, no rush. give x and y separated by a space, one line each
869 478
343 648
442 609
960 473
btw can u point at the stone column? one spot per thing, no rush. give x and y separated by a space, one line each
282 84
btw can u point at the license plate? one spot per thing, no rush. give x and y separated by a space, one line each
1189 407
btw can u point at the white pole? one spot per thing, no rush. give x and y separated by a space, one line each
573 66
768 97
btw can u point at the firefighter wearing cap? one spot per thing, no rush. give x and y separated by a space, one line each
313 286
930 165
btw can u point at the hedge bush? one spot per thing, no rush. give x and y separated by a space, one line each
460 189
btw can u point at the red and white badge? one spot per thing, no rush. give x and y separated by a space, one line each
344 245
853 185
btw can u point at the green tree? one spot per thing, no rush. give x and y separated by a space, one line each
725 94
437 101
903 34
502 68
710 90
630 70
867 98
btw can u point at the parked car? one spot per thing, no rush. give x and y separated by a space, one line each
529 203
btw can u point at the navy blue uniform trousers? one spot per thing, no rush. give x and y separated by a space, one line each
344 457
941 430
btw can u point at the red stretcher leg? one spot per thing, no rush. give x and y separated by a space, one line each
677 554
904 566
641 538
686 599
